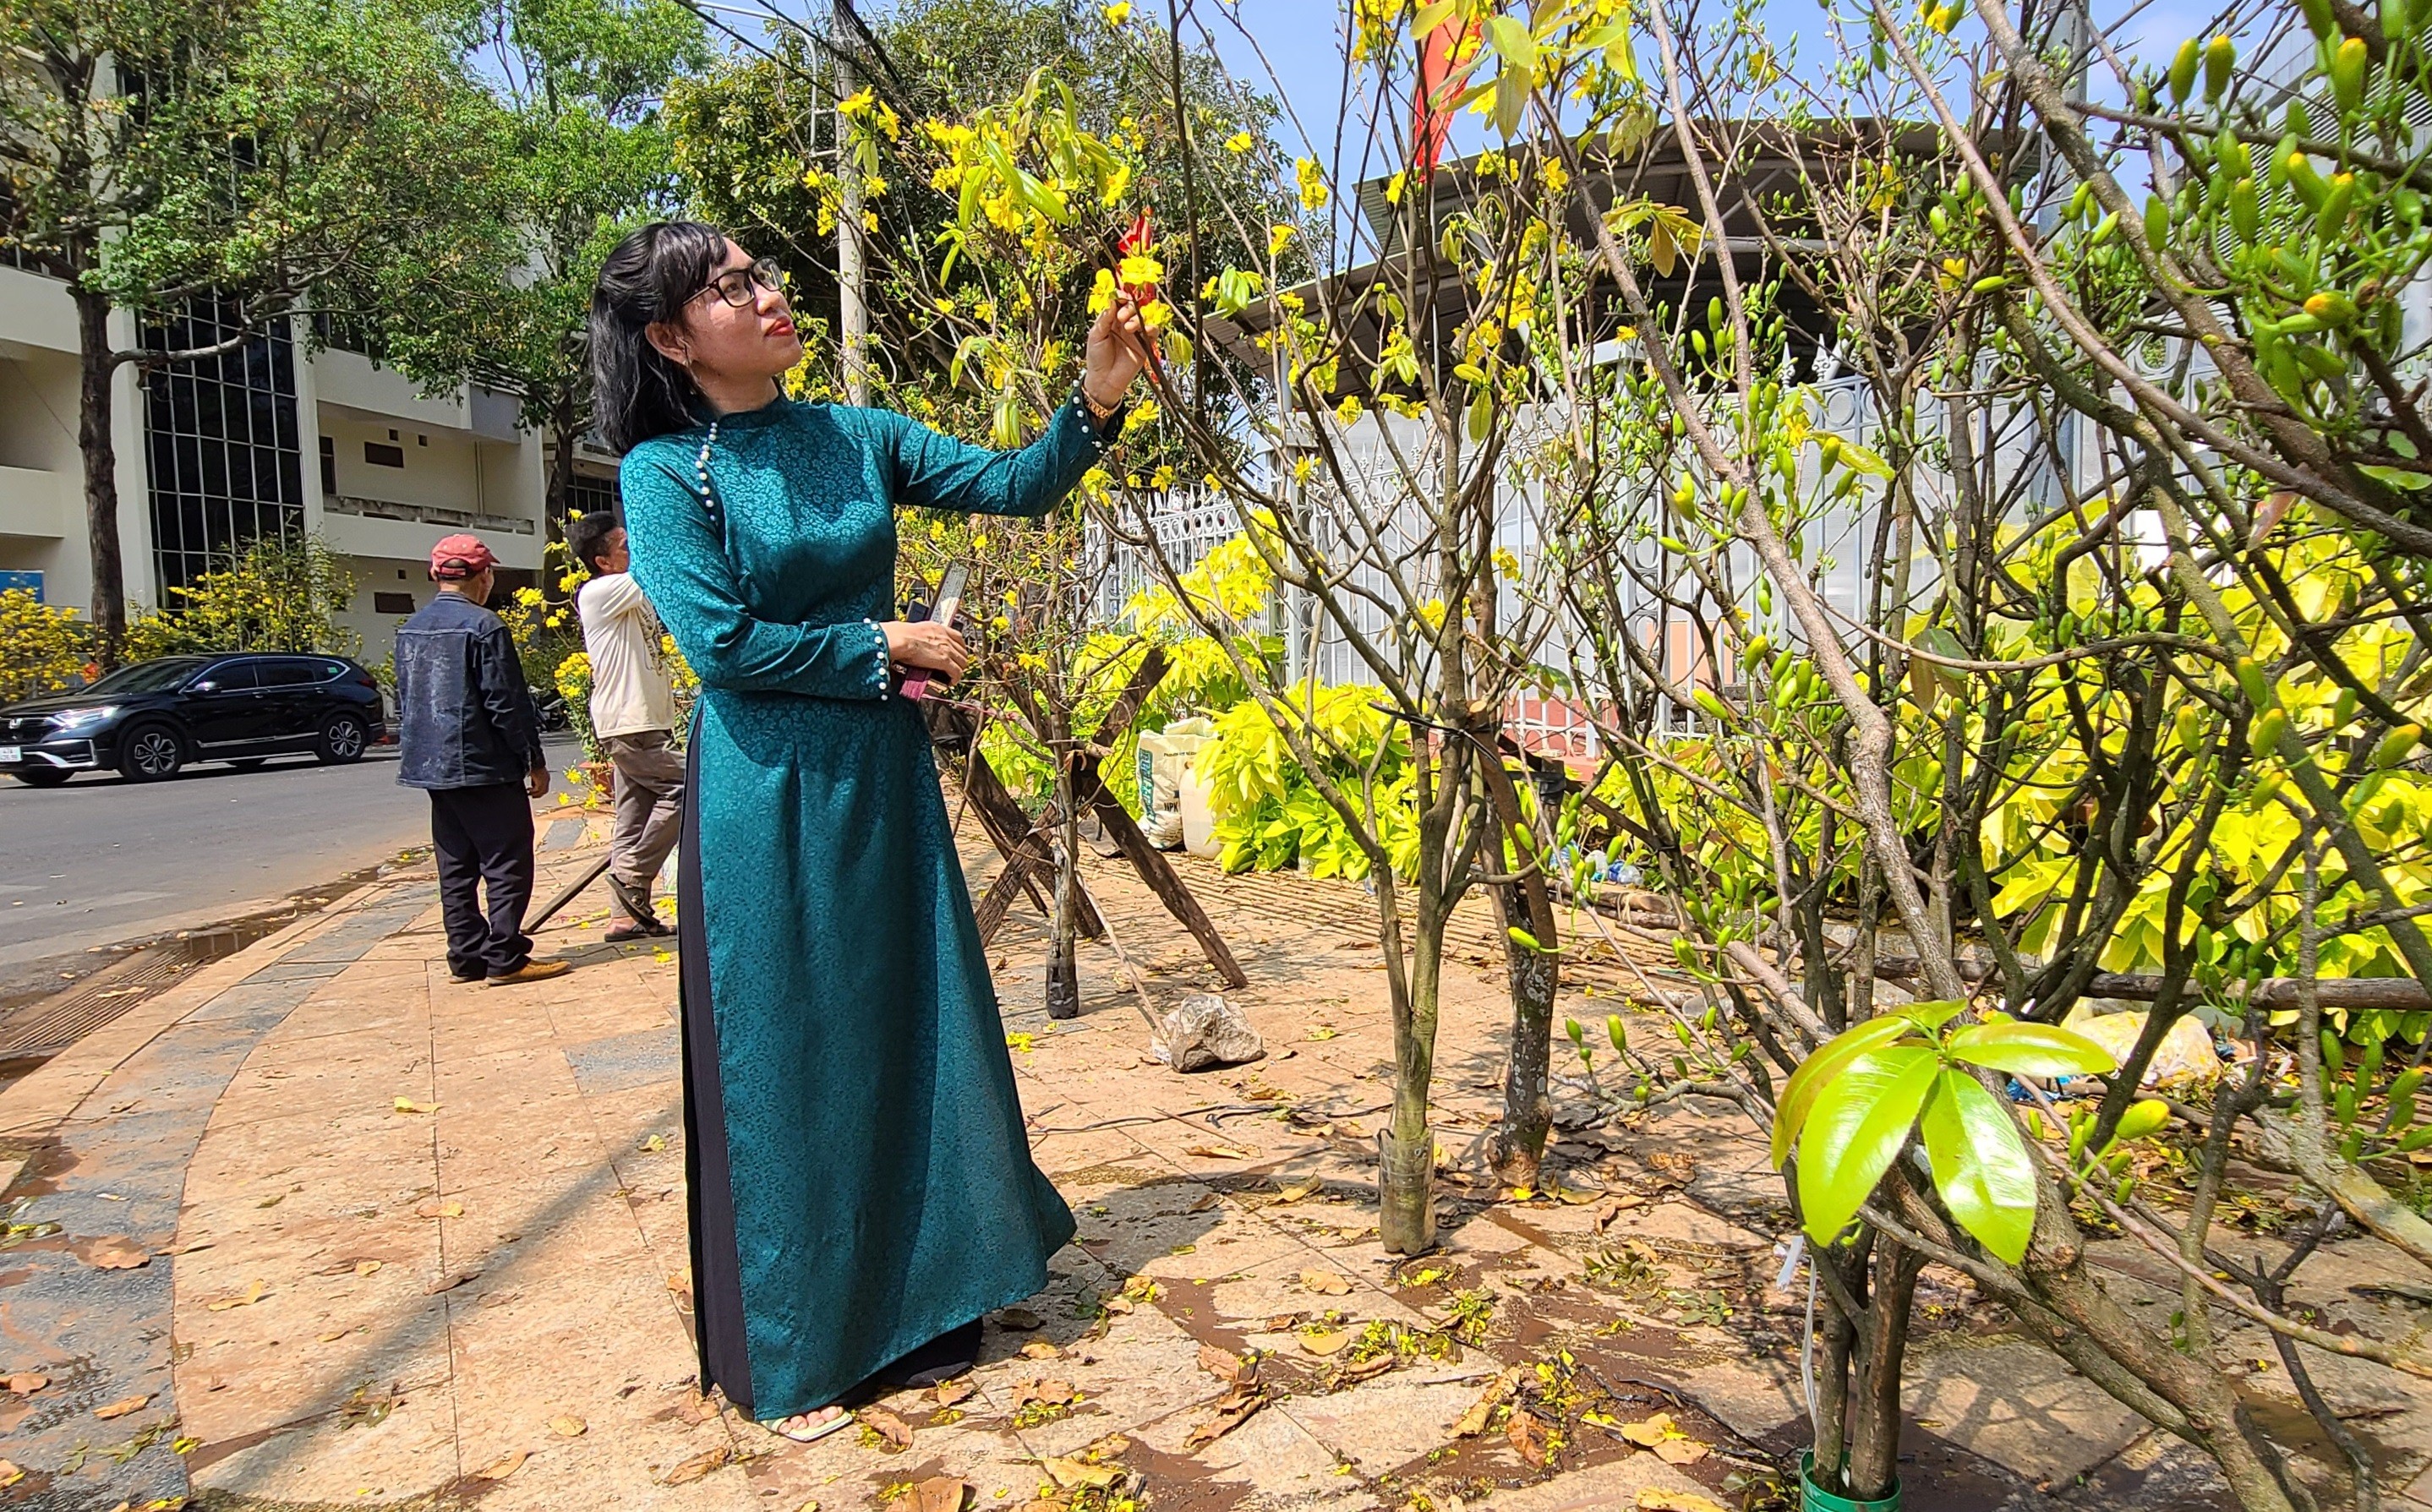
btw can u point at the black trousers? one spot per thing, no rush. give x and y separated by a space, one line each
483 836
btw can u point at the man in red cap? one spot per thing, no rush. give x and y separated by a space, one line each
468 735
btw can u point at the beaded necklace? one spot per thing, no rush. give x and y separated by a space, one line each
700 468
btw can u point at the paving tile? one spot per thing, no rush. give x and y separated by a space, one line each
379 1450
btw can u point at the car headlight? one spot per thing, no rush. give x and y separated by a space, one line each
71 718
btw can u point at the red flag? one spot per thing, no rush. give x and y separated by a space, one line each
1431 107
1135 243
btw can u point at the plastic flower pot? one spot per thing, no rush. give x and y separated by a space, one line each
1813 1498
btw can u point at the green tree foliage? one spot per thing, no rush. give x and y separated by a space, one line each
161 151
575 155
757 140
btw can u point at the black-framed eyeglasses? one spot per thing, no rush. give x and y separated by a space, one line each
740 286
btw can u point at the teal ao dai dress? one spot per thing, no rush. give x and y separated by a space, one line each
859 1178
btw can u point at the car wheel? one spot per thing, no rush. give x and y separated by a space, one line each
44 776
149 753
343 739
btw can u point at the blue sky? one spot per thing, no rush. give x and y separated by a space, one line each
1302 43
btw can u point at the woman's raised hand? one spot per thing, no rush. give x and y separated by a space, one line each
925 642
1116 353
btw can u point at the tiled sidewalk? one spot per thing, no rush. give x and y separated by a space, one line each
416 1244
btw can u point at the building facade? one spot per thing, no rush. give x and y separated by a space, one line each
270 439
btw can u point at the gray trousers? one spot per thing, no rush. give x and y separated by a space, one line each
650 805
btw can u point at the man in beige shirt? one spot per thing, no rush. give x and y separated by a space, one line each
632 716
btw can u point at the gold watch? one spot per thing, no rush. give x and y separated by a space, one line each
1101 413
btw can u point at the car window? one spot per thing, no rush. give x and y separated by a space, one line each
149 677
288 672
232 676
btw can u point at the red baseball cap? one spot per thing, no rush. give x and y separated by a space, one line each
459 557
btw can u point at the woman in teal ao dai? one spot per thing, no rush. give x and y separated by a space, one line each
861 1186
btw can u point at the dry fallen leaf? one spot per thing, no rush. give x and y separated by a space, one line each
504 1466
1615 1206
252 1295
1053 1393
1115 1302
949 1392
1673 1165
1374 1365
1528 1436
1039 1349
451 1281
1473 1423
112 1253
894 1430
567 1426
1326 1283
9 1475
1323 1341
1073 1474
1648 1432
1205 1203
1656 1499
699 1466
1222 1364
940 1493
364 1267
25 1382
332 1338
1682 1450
1218 1152
1231 1412
409 1106
1294 1193
122 1407
1019 1318
440 1210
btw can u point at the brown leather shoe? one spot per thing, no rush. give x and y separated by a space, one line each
532 971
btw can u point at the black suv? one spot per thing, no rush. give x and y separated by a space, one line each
150 719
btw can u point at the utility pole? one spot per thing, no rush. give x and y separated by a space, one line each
853 324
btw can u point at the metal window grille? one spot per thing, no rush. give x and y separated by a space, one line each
226 462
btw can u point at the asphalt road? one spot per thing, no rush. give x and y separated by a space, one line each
102 859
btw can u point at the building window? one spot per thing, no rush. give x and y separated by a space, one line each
382 455
226 462
587 494
386 603
328 464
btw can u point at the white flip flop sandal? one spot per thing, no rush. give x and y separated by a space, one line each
816 1431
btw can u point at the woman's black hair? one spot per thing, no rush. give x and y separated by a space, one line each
636 392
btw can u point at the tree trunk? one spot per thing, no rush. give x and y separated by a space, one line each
1063 967
98 366
1535 976
1406 1147
1836 1342
1875 1406
563 421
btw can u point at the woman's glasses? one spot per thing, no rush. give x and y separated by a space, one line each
740 286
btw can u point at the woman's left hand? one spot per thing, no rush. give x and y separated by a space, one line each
1116 353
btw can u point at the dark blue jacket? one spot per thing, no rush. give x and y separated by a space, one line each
463 716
